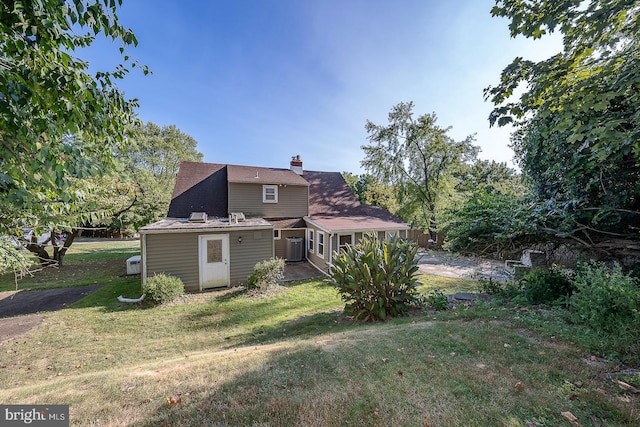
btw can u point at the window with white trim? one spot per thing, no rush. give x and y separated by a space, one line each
276 234
310 240
269 194
320 248
344 240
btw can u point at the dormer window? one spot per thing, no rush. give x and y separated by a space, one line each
269 194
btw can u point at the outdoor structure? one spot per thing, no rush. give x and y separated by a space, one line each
223 219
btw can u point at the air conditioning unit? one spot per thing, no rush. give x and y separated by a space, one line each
133 265
295 248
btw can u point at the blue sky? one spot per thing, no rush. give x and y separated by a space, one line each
257 81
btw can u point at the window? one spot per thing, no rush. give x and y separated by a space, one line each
344 240
320 249
392 234
310 240
276 234
269 194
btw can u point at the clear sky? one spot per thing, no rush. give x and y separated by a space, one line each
258 81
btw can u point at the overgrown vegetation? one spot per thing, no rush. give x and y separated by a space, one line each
162 288
577 123
602 299
376 278
547 286
266 273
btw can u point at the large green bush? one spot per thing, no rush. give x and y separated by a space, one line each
606 300
542 286
266 273
375 277
162 288
490 219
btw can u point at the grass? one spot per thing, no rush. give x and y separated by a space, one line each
84 264
292 358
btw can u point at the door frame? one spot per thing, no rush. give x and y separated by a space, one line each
202 239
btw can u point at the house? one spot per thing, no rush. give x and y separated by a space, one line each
223 219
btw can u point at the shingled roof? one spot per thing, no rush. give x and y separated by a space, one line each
203 187
258 175
200 187
332 205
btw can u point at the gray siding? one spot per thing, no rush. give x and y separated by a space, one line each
293 201
175 254
256 246
319 262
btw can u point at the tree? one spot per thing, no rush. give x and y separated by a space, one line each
58 123
152 163
578 121
369 191
419 159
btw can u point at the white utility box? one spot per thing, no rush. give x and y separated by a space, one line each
133 265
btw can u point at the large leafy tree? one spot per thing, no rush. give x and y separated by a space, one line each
578 119
369 191
419 159
151 164
58 122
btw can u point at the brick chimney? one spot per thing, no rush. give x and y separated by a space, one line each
296 164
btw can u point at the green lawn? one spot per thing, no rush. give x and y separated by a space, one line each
293 358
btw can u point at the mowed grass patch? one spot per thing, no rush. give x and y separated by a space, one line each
443 373
100 333
84 264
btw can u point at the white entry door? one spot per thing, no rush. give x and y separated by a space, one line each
214 261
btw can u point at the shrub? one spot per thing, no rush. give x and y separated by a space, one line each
547 286
376 278
438 300
606 300
266 273
162 288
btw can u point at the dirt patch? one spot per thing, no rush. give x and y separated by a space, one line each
12 327
457 266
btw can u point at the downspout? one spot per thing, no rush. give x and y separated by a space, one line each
330 251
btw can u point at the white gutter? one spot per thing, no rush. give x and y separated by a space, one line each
203 229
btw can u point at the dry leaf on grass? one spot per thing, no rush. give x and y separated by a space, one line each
627 387
172 401
571 418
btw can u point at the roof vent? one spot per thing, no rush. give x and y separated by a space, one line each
198 217
235 217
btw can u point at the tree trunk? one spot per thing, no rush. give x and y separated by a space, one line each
59 252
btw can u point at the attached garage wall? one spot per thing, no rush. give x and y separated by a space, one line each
256 246
175 254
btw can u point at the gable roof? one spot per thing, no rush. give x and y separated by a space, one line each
258 175
203 187
334 207
200 187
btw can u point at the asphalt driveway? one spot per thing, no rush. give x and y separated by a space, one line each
35 301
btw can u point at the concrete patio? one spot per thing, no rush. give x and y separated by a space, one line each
301 270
